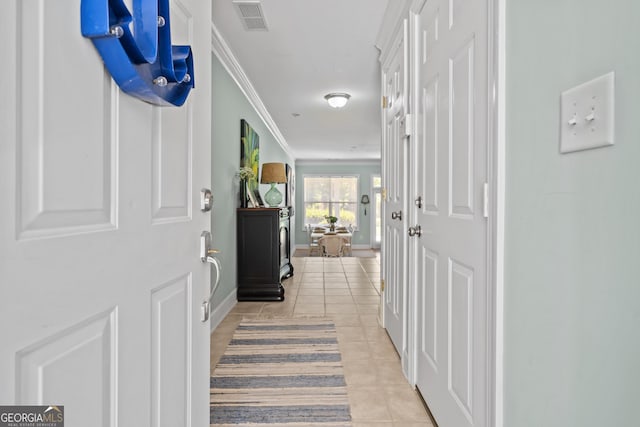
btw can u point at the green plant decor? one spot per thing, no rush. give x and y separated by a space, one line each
332 221
246 175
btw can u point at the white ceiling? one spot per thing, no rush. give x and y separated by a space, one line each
311 48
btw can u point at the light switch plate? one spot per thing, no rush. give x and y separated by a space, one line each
587 115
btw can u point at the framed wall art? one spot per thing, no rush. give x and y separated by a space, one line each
250 158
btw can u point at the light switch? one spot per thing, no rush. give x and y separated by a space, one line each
587 115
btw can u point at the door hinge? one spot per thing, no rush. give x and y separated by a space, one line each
383 193
382 285
418 202
385 102
407 124
485 200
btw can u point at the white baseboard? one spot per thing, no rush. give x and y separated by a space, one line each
220 312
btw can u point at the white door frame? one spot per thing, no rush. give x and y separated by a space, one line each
497 208
398 107
373 212
496 142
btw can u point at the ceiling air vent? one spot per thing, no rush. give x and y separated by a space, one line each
250 12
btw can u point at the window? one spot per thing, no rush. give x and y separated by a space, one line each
331 195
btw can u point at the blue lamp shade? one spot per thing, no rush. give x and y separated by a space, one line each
273 173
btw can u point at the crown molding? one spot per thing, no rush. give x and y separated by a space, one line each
393 17
221 49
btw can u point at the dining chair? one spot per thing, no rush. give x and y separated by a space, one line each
314 246
347 241
332 246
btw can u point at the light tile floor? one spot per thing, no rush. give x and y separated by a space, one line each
347 291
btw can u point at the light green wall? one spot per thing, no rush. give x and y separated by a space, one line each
229 107
572 275
364 170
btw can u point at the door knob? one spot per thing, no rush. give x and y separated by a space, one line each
415 231
396 215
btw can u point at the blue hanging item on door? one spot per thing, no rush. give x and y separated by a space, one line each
143 62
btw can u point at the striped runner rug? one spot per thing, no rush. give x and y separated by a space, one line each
281 372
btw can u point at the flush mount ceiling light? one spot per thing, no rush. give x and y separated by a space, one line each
337 100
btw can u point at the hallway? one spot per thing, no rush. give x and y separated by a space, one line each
345 290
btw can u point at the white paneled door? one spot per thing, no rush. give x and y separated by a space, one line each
450 261
394 177
100 277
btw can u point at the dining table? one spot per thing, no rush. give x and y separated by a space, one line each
346 235
315 235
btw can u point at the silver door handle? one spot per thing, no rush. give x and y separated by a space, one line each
396 215
216 263
206 304
205 246
415 231
206 256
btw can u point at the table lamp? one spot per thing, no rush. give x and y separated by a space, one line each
273 173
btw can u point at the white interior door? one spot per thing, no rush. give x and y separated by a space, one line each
394 178
100 276
451 255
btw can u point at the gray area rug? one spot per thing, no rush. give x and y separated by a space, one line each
281 372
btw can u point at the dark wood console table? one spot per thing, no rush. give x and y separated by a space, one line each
264 253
